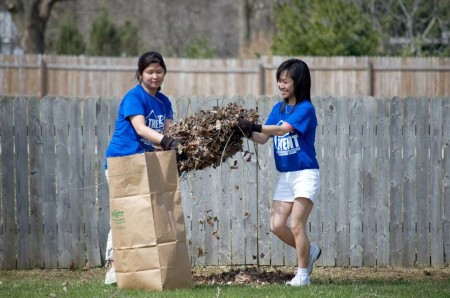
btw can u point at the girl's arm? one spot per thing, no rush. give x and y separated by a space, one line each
167 125
138 122
277 130
271 130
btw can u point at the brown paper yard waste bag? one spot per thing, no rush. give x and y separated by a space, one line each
147 222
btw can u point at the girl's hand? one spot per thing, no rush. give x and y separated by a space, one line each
248 127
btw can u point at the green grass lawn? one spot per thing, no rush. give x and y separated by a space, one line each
326 282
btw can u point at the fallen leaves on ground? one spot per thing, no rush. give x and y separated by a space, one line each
230 275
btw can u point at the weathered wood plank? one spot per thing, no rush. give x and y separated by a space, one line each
437 241
329 172
278 248
382 182
369 172
36 184
211 199
208 199
224 232
342 182
250 195
315 218
227 192
180 107
396 174
49 188
113 110
356 176
89 182
186 205
62 183
8 237
236 196
103 138
198 248
76 179
265 193
409 182
199 216
423 180
22 197
446 180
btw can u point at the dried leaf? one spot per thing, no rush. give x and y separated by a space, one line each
215 134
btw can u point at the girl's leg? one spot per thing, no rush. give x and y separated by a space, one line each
278 219
300 212
109 257
110 277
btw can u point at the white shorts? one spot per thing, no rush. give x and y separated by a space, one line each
298 184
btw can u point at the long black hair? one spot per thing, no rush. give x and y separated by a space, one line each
145 60
298 70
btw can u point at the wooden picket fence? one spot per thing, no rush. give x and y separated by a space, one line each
385 196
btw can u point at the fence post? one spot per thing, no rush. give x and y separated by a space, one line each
262 80
369 78
44 78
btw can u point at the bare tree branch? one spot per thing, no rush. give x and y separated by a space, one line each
30 18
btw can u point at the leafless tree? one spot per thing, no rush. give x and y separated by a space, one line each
411 21
256 24
30 18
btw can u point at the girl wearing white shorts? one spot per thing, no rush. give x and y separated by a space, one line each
292 125
144 115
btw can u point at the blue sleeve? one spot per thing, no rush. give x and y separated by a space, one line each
273 116
303 118
132 105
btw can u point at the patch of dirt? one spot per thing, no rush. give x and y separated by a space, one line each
240 275
280 274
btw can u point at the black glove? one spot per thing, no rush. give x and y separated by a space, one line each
249 127
168 143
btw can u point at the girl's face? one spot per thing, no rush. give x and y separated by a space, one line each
152 78
286 87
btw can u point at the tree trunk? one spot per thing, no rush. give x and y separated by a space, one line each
30 18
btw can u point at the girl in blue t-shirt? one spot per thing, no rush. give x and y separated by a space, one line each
292 125
144 115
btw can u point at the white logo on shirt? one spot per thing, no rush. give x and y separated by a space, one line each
286 144
155 122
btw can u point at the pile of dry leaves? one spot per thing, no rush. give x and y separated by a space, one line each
214 134
241 275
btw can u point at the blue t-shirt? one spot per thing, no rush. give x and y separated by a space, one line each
156 109
295 150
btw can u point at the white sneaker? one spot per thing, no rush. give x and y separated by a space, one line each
110 277
299 280
314 254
